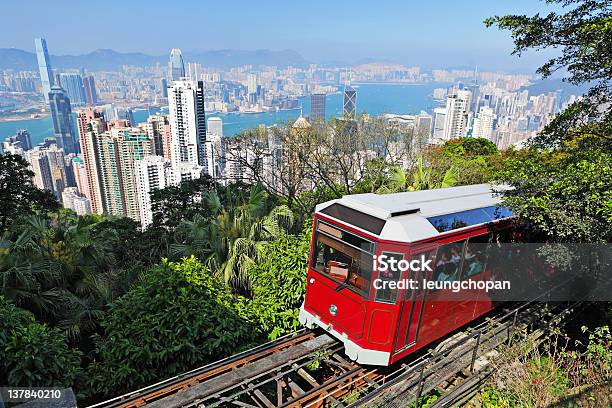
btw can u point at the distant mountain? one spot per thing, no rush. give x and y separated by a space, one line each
233 58
552 85
12 58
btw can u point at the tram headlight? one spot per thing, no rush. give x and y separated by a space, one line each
333 310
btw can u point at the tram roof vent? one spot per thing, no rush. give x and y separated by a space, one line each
405 212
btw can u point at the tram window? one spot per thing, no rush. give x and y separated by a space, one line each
475 255
448 222
498 212
354 217
343 263
500 251
448 261
385 294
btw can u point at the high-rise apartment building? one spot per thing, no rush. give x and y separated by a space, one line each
48 165
439 122
44 67
252 83
75 201
72 84
176 67
151 172
21 140
91 123
157 127
483 123
61 113
80 176
187 122
89 86
317 108
457 110
117 151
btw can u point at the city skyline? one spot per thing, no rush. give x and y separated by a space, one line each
453 36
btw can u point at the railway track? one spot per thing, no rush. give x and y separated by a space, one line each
308 369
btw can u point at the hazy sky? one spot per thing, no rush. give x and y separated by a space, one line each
430 33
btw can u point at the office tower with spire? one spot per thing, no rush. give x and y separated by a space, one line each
187 122
61 113
44 67
349 104
176 66
317 108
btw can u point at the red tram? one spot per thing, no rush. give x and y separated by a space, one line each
380 325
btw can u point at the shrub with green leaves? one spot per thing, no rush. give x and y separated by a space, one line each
34 354
176 319
279 283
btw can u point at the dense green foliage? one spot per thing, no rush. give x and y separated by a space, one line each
177 317
34 354
279 283
64 269
18 194
563 183
582 33
565 195
174 204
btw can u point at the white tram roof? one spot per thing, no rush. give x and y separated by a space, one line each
410 216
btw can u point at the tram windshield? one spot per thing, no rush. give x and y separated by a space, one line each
344 257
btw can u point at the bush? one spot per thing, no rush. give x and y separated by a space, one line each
279 283
34 354
176 319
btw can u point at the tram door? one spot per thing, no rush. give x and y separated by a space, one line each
410 308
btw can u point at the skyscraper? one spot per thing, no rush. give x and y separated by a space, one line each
350 101
91 124
156 127
252 83
214 148
48 166
21 140
317 108
439 122
73 200
89 85
457 109
72 84
80 176
483 123
117 151
176 67
61 113
151 172
44 67
187 122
